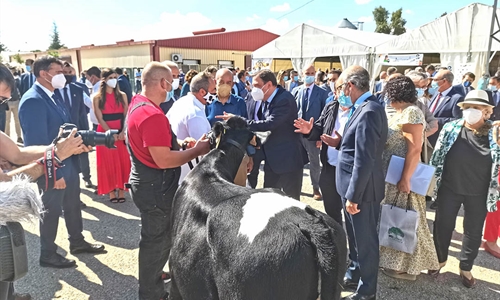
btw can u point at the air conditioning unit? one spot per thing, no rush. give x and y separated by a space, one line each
177 58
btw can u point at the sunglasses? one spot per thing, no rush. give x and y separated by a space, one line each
4 99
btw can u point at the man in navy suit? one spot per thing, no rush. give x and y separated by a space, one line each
494 97
28 78
466 85
124 84
444 103
41 113
74 97
360 179
311 100
253 108
283 152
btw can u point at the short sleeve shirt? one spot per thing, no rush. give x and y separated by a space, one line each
147 126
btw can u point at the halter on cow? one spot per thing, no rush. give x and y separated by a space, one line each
235 243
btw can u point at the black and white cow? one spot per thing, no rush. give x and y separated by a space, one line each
235 243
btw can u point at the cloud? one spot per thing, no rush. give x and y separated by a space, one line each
361 2
365 19
253 18
281 8
277 26
409 12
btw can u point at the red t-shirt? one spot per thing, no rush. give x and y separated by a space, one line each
147 126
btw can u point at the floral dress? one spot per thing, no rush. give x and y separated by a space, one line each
425 256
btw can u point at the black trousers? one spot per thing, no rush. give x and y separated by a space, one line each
290 183
258 157
69 200
6 290
446 215
331 198
84 166
154 201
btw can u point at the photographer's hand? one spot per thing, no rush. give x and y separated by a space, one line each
69 146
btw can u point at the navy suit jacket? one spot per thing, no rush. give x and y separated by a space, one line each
316 102
125 87
462 89
78 112
283 149
447 111
25 83
360 177
40 121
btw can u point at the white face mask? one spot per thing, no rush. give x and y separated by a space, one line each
257 94
175 83
58 81
112 83
88 84
332 86
472 115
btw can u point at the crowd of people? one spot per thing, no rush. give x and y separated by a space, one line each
333 121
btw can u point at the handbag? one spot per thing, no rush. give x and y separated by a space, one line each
398 227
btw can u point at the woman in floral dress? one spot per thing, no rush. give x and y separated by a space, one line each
406 129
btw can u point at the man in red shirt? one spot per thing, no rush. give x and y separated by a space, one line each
155 174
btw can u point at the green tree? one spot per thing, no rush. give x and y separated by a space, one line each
56 42
17 57
53 53
2 49
380 15
397 22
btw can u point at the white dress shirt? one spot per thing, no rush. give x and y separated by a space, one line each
333 154
90 105
187 118
48 92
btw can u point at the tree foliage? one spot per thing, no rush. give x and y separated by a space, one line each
381 17
17 57
56 42
3 48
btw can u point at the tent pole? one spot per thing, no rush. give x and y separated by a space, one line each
490 40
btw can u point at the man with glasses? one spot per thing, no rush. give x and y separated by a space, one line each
443 104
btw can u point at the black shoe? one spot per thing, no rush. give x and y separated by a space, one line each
349 284
57 261
89 185
428 198
434 205
86 247
357 296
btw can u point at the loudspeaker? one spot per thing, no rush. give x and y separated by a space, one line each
13 252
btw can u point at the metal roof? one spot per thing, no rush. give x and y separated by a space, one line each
345 23
244 40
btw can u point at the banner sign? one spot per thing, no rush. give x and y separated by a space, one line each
402 59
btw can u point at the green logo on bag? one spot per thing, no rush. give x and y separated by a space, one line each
396 234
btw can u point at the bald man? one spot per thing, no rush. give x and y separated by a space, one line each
169 101
155 174
443 104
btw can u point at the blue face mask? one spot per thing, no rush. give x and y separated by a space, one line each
344 101
432 90
467 83
435 85
28 68
170 95
296 78
420 92
309 79
285 78
247 78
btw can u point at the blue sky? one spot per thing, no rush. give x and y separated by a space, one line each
26 24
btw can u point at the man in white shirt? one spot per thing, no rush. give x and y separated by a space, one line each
93 76
187 116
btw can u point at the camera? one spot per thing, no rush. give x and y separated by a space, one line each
91 138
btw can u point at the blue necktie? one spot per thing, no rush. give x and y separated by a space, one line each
60 106
351 111
305 102
66 99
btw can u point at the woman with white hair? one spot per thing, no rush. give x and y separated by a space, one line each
467 161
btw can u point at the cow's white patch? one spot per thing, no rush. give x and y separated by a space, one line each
260 208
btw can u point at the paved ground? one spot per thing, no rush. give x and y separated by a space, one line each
114 275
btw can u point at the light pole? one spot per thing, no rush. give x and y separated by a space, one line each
491 37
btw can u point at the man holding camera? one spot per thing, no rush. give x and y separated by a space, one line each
42 112
11 155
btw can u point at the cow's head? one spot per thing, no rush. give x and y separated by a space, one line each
234 131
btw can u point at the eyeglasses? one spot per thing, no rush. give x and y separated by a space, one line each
4 99
437 79
340 87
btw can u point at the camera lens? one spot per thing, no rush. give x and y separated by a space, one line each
92 138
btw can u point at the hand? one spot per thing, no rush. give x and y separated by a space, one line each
4 176
202 145
351 207
225 116
303 126
249 164
70 146
5 164
121 136
190 142
331 141
115 136
60 184
318 144
404 186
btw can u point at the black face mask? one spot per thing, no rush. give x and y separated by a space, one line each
69 78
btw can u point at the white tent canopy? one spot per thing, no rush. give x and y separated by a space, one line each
305 43
460 37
